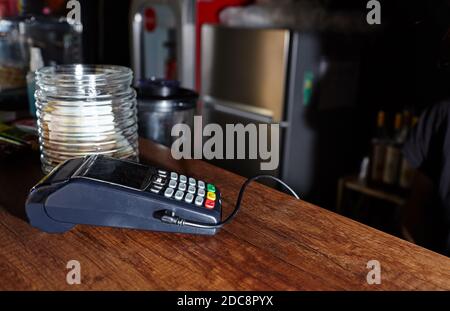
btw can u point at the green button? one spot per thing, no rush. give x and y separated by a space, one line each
211 188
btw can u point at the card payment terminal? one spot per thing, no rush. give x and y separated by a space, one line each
102 191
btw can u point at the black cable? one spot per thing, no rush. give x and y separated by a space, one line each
172 219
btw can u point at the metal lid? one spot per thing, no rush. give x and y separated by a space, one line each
164 96
164 105
161 89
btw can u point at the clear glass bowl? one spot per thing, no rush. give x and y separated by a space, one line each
83 110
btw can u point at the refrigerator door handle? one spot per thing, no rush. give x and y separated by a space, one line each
241 110
284 124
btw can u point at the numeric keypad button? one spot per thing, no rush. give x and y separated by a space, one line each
179 195
189 198
169 192
201 184
173 176
172 184
182 186
198 201
191 189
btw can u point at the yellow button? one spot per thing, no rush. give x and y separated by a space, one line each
211 196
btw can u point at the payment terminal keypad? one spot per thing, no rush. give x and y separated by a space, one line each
184 189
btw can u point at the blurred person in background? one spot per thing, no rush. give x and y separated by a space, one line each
426 215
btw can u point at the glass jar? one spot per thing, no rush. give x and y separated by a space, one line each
83 110
13 54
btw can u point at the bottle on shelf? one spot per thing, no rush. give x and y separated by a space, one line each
378 150
393 154
414 122
406 126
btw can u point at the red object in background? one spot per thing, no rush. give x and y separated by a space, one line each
46 11
208 13
56 7
150 19
8 8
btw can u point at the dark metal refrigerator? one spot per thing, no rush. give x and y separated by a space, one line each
306 82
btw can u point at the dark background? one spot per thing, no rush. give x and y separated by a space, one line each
402 62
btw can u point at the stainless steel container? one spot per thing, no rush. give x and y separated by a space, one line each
161 105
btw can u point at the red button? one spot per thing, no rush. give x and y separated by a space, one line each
150 19
209 204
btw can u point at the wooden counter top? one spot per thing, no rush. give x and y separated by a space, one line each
274 243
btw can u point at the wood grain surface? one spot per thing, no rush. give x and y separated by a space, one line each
275 243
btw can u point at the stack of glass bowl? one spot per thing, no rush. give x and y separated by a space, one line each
83 110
